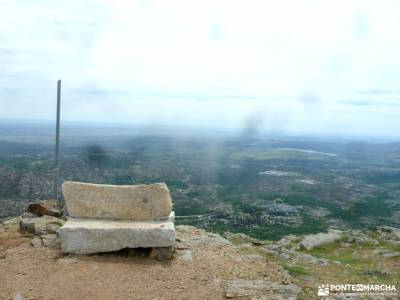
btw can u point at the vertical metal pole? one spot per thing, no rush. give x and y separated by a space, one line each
57 150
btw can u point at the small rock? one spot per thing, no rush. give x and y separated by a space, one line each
38 226
358 237
323 262
53 227
38 208
246 246
260 289
185 255
51 240
387 229
378 251
394 243
27 225
241 238
200 237
391 254
12 221
306 258
17 296
269 251
27 215
67 260
181 245
55 212
389 233
254 257
162 253
36 242
285 256
43 208
345 244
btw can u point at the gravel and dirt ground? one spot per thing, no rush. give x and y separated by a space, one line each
203 265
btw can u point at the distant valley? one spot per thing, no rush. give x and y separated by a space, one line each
266 187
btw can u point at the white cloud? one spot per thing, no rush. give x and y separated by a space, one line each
211 63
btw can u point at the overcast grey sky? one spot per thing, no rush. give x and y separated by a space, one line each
288 66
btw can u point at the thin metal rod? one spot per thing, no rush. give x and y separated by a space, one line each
57 150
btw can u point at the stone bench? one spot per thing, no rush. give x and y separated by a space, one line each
106 218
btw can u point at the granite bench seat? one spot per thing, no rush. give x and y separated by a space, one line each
86 236
105 218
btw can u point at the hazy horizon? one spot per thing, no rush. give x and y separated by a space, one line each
132 129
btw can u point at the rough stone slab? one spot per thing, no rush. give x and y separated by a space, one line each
121 202
85 236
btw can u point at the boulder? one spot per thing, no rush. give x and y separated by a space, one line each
316 240
85 236
118 202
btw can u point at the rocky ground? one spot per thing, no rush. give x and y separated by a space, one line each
205 265
335 257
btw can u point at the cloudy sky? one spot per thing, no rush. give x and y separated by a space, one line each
287 66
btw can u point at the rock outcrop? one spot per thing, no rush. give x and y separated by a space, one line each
316 240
